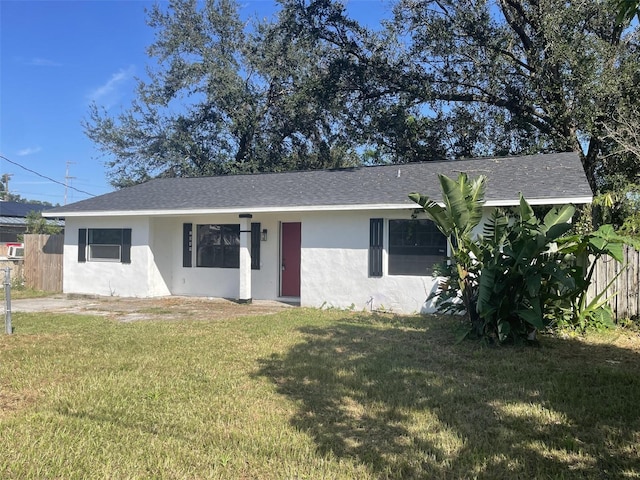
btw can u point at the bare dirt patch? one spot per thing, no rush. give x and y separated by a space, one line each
162 308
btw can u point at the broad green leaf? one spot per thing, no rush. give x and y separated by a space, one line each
605 231
464 201
485 289
495 228
557 216
598 244
476 199
438 214
532 315
533 283
556 231
526 212
504 329
615 250
603 316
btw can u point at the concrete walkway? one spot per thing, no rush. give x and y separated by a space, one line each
128 309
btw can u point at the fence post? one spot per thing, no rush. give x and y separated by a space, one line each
7 295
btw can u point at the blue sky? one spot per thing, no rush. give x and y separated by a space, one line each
56 57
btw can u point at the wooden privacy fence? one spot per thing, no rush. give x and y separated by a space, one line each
43 262
626 304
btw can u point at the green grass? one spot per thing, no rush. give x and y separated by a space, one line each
20 292
311 394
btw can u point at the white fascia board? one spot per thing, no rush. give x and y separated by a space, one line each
305 208
539 201
214 211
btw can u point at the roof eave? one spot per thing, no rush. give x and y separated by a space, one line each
297 208
232 210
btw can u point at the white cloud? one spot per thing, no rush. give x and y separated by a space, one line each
43 62
110 92
28 151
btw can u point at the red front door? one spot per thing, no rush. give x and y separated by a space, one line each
291 239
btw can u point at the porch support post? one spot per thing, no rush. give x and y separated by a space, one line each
244 291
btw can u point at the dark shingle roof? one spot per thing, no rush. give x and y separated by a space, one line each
19 209
539 177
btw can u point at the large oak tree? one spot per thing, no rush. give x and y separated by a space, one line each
504 77
439 79
224 96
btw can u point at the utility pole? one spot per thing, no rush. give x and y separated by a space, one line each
66 180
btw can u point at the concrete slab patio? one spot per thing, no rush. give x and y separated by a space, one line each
162 308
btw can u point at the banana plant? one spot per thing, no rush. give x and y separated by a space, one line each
584 251
457 217
521 272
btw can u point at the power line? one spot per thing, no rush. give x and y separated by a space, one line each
45 177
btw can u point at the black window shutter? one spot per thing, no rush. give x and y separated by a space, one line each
125 256
375 246
255 246
187 244
82 245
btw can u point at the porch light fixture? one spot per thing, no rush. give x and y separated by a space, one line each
263 235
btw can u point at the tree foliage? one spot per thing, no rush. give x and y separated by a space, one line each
487 78
36 223
226 97
437 79
627 9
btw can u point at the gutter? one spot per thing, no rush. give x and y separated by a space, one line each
297 208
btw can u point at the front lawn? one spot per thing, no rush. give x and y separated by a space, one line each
311 394
20 292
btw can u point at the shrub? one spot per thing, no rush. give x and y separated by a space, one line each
523 273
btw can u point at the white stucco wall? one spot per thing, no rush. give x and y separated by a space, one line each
140 278
335 268
156 260
204 282
224 282
334 262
